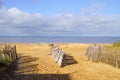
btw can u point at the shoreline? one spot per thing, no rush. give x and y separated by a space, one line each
50 40
53 43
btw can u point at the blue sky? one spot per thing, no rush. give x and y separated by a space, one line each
48 7
59 17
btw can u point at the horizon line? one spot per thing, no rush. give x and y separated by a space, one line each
59 36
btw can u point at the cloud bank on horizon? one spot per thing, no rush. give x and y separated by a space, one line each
15 22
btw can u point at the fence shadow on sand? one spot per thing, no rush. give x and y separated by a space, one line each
26 70
28 67
42 77
68 60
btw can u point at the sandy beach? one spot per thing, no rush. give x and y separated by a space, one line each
35 62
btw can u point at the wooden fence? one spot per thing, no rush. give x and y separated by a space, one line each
58 55
7 53
99 53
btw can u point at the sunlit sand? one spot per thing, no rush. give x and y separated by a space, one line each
35 60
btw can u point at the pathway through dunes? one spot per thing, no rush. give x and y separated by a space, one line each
35 63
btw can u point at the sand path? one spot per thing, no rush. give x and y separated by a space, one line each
35 63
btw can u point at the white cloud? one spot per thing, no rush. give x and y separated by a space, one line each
15 22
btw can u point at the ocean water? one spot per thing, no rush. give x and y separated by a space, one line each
6 39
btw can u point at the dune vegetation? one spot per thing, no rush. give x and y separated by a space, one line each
116 44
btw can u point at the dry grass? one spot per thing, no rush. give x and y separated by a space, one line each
83 70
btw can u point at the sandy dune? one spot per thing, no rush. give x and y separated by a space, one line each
35 63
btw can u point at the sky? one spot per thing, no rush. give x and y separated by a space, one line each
59 18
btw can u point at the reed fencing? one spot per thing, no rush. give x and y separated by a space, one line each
58 55
7 54
100 53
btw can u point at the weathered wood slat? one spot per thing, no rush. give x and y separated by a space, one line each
99 53
58 55
61 59
54 53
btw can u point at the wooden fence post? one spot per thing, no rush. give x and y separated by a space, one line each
107 55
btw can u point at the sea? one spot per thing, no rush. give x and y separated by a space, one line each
42 39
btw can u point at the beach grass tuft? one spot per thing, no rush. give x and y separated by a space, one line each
116 44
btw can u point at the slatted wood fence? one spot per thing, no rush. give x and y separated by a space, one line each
99 53
7 52
58 55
